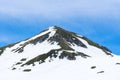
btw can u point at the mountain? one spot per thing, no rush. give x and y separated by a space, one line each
58 54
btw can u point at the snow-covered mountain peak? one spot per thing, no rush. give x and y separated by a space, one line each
51 44
59 54
52 28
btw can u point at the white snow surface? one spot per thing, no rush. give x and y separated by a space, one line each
79 69
90 50
59 69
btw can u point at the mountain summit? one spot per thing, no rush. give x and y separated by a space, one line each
56 48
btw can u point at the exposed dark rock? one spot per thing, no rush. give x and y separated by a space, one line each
66 37
18 63
39 39
117 63
14 68
82 55
27 70
100 72
23 59
68 55
54 54
40 58
19 50
93 67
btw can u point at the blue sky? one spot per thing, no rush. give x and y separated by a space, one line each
99 20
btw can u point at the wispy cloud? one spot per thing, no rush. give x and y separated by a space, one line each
60 8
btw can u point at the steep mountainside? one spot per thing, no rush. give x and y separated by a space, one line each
58 53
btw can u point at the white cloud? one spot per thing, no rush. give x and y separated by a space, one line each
60 8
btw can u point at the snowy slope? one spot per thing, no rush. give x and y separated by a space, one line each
57 54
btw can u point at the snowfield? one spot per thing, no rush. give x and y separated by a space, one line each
79 69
